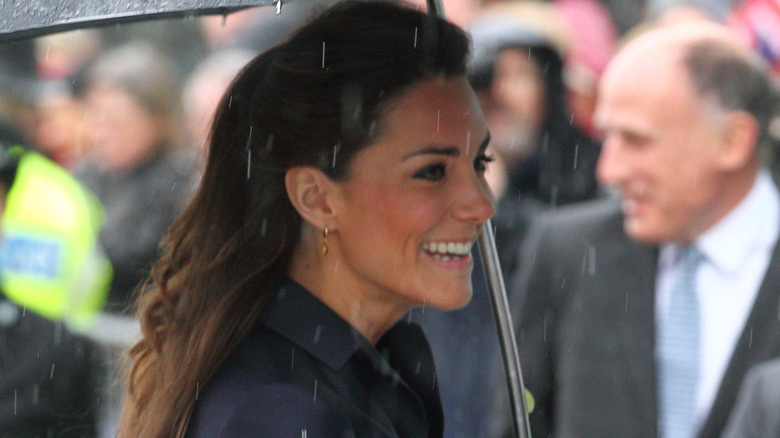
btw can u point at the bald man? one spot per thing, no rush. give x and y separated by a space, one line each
638 317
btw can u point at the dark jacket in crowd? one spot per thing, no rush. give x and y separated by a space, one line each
304 372
140 205
46 385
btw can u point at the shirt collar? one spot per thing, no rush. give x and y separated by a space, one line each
750 226
308 322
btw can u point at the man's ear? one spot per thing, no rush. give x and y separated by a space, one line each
741 134
311 193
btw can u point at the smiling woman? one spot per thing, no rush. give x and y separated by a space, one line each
344 186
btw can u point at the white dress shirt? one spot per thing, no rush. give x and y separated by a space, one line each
736 253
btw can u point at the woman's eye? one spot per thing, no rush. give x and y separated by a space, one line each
433 172
481 162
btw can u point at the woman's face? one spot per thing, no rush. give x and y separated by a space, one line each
415 201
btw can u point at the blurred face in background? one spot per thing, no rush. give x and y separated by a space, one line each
662 146
62 131
514 106
125 132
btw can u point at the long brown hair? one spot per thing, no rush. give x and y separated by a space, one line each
311 101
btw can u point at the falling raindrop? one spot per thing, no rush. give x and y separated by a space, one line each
576 154
415 37
278 7
315 390
197 390
51 374
14 402
625 309
750 342
592 257
468 141
248 163
269 144
417 368
323 54
304 434
230 101
336 149
249 154
438 119
292 360
317 333
263 227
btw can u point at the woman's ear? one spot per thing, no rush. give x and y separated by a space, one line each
311 193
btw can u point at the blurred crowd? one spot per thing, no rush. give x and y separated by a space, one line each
125 110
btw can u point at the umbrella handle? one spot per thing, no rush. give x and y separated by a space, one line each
506 334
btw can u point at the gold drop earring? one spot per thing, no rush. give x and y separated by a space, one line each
324 243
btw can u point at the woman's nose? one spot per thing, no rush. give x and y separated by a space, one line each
475 200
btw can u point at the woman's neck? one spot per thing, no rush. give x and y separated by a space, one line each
327 278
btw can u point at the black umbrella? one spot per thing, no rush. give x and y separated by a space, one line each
30 18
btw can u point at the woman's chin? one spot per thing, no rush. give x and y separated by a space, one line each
449 298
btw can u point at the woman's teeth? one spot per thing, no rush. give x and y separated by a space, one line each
447 251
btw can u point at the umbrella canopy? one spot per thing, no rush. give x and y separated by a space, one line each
30 18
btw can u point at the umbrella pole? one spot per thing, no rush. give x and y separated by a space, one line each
506 334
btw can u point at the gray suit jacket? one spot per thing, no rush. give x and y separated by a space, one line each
584 313
757 412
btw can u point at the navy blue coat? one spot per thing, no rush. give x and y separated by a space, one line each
304 372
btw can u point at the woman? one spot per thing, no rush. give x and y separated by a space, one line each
344 186
136 167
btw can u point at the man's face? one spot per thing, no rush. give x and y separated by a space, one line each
660 148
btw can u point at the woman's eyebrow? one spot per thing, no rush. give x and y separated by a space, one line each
449 151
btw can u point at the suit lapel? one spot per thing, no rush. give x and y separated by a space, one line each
758 342
636 279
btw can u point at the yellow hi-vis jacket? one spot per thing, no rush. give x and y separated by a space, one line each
50 256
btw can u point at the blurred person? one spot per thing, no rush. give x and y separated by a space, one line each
518 70
203 90
641 317
49 278
64 54
62 130
593 43
136 165
61 127
284 282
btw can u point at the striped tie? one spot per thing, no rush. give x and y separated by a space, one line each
678 351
